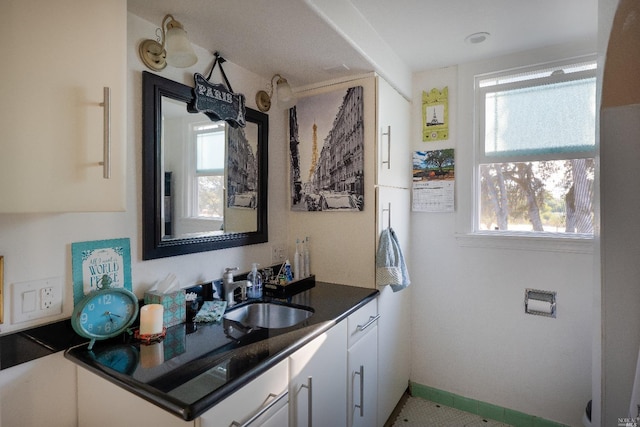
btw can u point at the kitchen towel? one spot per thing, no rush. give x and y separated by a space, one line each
211 311
391 268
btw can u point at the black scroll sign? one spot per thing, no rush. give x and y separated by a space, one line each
215 100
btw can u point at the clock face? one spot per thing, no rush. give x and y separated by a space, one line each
105 313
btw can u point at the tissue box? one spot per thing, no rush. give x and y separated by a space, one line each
175 311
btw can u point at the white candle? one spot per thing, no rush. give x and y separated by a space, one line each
151 319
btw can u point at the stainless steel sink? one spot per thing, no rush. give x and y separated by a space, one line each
268 315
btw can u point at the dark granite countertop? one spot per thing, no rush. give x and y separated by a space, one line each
25 346
196 366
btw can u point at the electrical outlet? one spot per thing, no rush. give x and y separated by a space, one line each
36 299
277 254
46 298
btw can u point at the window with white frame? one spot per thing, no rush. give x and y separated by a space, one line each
207 184
536 147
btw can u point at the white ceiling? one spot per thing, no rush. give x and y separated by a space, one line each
430 33
288 37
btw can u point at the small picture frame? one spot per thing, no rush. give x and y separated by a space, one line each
91 261
435 115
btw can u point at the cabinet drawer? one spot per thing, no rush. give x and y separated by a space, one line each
362 321
362 359
250 399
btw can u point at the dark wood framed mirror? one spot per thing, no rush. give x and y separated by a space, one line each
204 183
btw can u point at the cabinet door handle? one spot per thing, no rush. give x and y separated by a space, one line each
361 405
106 133
309 387
263 410
388 135
388 211
372 319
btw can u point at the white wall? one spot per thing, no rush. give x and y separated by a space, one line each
38 246
470 333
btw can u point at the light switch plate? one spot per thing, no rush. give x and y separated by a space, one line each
29 301
36 299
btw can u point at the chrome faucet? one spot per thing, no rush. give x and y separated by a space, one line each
230 289
229 286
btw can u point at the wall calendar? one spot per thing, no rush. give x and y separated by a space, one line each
433 181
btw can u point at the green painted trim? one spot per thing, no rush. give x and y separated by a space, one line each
492 412
477 407
517 419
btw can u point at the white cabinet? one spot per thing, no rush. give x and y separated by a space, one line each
363 381
394 307
39 393
51 118
393 155
101 403
263 402
393 208
317 387
362 373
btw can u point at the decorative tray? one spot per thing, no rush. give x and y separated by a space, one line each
291 288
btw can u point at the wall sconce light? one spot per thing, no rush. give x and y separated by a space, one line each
171 47
286 98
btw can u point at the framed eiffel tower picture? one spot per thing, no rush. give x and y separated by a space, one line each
435 115
326 144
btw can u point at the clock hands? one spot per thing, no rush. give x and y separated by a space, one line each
112 314
108 313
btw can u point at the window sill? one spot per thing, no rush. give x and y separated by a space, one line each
517 241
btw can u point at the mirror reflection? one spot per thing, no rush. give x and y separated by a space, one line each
210 174
204 182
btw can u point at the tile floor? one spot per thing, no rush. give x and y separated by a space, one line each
417 412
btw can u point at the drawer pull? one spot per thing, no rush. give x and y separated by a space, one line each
106 133
263 410
388 135
309 386
371 321
361 405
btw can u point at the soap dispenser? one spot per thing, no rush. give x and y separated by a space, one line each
254 287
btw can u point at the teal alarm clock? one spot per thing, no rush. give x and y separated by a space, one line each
105 312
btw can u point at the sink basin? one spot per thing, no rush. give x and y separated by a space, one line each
268 315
